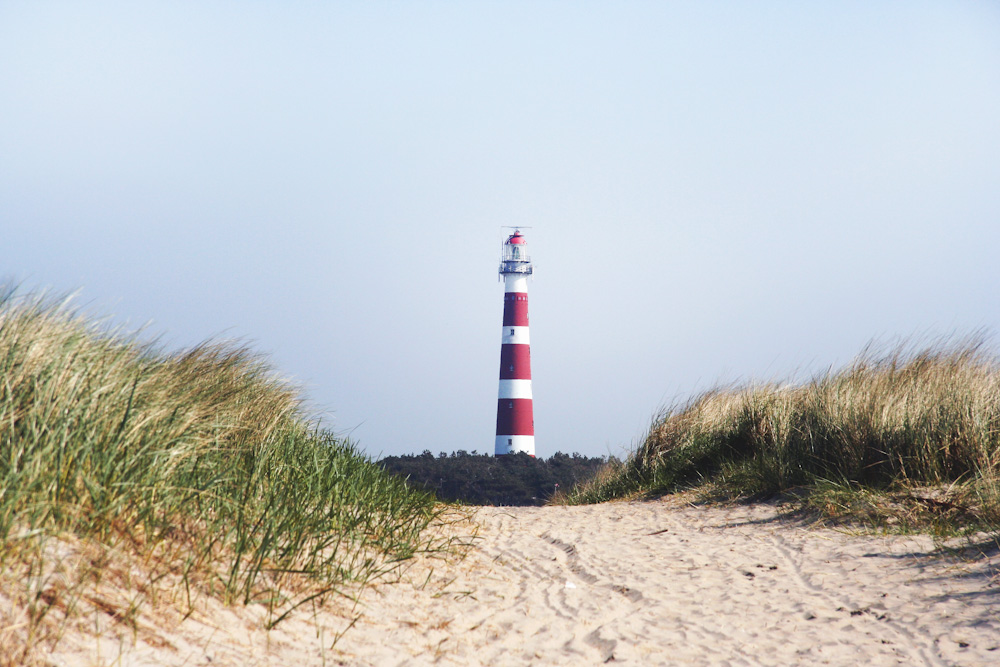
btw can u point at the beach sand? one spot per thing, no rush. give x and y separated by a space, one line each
641 583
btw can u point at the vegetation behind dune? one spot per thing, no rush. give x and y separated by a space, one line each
485 479
912 434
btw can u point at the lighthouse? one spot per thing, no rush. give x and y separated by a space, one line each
515 418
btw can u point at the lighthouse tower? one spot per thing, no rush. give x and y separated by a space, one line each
515 418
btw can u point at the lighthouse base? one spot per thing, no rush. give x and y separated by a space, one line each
512 444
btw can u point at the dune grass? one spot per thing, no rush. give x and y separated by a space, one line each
911 434
199 465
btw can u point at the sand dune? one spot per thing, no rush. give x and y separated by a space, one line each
645 583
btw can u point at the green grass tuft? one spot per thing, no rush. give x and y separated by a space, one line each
199 464
905 419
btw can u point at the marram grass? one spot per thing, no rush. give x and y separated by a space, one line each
899 420
200 465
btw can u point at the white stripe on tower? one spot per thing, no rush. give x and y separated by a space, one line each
515 414
515 336
515 388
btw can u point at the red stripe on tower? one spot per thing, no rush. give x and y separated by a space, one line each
515 362
515 309
515 416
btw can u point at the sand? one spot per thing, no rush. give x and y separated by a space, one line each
640 583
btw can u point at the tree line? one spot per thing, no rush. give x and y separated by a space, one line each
484 479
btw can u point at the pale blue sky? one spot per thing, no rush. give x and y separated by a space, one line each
716 191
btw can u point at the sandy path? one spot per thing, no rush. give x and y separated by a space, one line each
647 584
652 583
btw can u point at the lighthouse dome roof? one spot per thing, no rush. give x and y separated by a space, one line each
516 239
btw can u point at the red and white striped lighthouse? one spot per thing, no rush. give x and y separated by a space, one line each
515 418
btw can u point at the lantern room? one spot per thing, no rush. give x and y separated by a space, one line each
514 256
